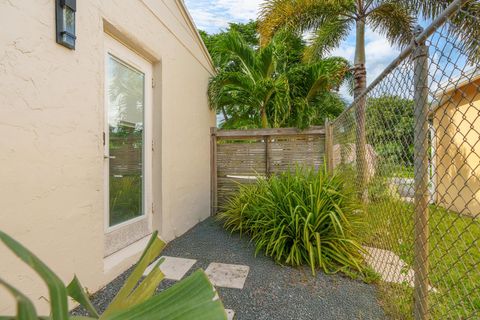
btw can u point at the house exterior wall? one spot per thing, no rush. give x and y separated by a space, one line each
51 124
457 157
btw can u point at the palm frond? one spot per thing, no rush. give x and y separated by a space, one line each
394 20
328 74
467 30
223 86
311 79
288 47
299 15
327 37
236 49
428 8
266 61
463 27
280 104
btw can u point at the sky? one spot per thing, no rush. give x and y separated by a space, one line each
214 15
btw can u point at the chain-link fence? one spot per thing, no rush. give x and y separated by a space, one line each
420 173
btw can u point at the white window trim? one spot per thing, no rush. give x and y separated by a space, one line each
126 55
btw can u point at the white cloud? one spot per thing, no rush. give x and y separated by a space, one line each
379 54
346 50
214 15
242 10
207 20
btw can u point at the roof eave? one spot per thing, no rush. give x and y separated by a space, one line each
198 37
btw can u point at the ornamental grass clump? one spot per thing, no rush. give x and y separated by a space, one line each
299 217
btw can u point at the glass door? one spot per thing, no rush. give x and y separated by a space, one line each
127 146
126 141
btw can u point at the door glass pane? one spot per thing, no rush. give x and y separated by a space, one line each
126 104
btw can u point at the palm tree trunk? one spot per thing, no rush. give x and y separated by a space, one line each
263 114
360 75
225 116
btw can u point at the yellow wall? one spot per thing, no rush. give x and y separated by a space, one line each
51 124
457 159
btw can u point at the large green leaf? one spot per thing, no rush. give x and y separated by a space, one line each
124 298
56 288
147 288
25 308
76 291
192 298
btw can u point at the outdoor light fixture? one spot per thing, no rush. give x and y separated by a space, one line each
65 16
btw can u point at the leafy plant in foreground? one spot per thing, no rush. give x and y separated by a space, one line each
192 298
299 217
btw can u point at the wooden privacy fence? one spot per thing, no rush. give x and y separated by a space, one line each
240 156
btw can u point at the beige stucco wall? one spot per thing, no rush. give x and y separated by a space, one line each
457 157
51 124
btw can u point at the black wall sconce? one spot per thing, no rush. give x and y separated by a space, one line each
65 19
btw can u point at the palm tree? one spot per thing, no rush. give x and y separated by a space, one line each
260 87
331 21
247 82
311 96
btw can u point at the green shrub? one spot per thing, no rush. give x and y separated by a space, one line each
299 217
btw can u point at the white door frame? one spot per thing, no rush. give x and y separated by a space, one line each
124 54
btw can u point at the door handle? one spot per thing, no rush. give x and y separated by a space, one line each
109 157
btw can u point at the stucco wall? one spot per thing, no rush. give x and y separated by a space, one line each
457 156
51 124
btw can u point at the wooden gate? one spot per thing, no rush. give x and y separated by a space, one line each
240 156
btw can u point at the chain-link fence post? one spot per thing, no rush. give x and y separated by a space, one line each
421 266
329 145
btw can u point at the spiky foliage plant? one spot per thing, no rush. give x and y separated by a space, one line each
299 217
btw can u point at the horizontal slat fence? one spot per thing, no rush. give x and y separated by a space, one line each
240 156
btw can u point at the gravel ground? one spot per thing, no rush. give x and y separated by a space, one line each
271 291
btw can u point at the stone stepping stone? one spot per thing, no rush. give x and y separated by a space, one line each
390 267
230 314
173 268
227 275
